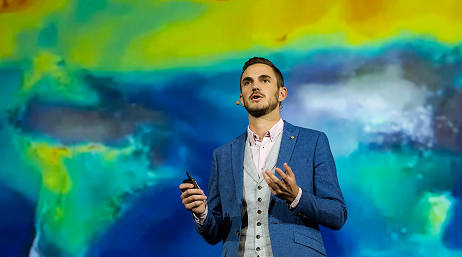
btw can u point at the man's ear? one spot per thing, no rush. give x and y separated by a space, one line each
282 94
242 99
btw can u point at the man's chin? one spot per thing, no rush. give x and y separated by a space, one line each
257 112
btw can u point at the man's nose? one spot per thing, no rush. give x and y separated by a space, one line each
255 86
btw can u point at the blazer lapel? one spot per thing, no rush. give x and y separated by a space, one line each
237 159
289 137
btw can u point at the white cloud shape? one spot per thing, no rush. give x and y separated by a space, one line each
365 107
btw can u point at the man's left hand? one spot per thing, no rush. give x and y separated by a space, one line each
286 188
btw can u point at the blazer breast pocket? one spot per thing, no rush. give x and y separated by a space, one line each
307 241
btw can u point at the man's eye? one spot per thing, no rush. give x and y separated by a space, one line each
266 81
246 83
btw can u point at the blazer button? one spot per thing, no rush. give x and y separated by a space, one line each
238 233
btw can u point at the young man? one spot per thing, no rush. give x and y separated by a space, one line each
255 207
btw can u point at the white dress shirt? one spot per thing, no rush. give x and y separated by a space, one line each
261 147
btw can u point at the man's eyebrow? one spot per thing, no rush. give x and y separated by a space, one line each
264 76
247 79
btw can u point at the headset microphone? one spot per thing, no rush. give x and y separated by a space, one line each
240 103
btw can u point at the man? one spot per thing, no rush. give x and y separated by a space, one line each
255 207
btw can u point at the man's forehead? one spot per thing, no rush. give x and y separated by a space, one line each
257 70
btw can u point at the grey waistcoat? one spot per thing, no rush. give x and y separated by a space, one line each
255 240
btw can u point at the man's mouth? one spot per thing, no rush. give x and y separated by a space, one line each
256 97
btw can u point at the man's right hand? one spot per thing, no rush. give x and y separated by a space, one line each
193 199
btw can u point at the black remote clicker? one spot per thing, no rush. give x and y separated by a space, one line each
191 180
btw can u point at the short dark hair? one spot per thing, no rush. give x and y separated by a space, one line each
255 60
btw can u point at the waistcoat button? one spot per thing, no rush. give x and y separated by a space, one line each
259 211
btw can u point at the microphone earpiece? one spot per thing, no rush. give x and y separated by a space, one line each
239 103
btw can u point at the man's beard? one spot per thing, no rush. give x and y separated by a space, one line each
260 111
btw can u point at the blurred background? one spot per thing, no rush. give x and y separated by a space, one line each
104 104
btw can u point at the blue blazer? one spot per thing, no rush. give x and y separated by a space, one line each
292 232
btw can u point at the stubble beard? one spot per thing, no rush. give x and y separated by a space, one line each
260 111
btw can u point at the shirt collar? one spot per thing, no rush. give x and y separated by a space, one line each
272 133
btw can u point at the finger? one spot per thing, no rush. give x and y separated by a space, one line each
189 192
269 181
194 198
281 174
193 205
281 184
281 187
273 177
272 191
186 186
288 169
271 185
275 183
194 191
267 175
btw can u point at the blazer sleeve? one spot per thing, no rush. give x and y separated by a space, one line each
212 229
325 204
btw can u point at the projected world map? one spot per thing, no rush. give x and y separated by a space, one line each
105 105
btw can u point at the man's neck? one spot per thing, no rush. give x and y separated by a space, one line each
262 124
